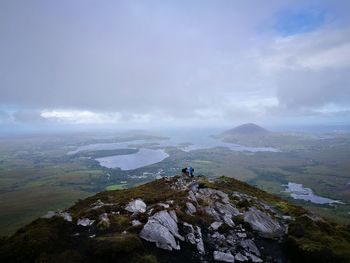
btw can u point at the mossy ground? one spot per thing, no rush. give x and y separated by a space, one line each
55 240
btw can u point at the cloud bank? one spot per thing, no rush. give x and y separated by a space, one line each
160 61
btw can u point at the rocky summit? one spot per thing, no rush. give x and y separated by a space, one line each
180 219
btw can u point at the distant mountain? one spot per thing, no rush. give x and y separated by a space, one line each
247 129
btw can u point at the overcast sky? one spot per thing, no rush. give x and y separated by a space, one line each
145 63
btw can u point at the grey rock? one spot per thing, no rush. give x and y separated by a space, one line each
98 204
190 237
173 215
263 223
153 231
191 209
224 257
164 205
194 236
224 197
199 240
226 209
241 235
288 218
249 246
65 215
169 220
240 257
162 229
227 219
136 222
188 228
104 220
49 214
191 196
206 193
254 258
215 225
211 211
85 222
136 206
194 187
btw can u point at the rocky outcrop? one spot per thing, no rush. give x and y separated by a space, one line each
264 224
162 229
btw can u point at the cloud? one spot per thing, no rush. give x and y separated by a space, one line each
143 62
310 70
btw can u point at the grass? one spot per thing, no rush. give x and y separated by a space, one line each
20 207
116 187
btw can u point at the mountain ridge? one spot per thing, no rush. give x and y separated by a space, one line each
247 129
176 217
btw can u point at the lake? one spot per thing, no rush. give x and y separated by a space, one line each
297 191
154 152
140 159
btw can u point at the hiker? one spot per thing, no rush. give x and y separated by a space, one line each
188 170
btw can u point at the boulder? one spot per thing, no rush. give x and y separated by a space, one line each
85 222
153 231
215 225
228 220
249 246
65 215
136 206
98 204
211 211
162 229
189 230
136 222
254 258
240 257
199 240
104 222
263 223
191 196
194 187
226 209
223 257
191 209
194 236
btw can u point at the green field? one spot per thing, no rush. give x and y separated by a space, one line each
37 175
116 187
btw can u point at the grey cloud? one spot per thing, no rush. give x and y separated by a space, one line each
310 88
159 58
28 116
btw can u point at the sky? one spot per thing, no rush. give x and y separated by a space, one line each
179 63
